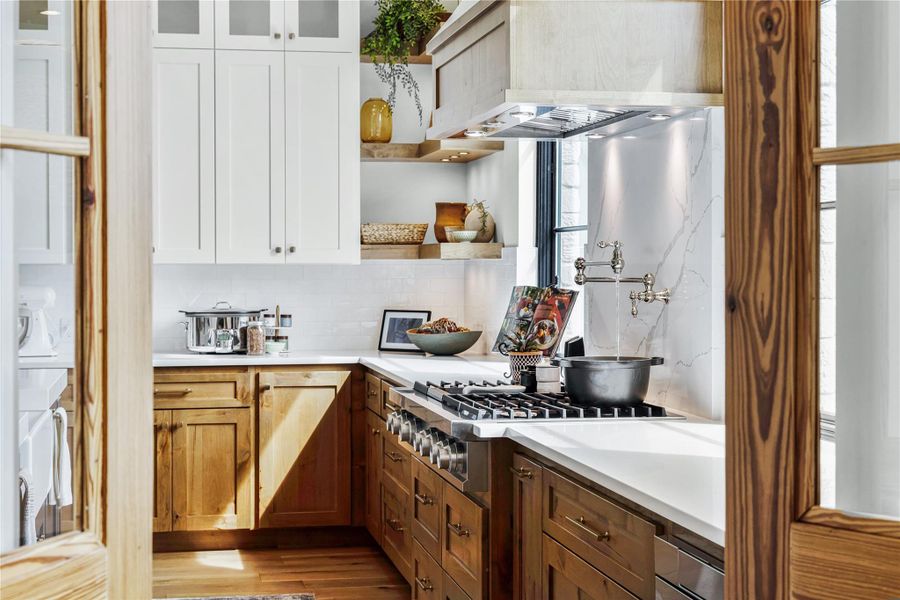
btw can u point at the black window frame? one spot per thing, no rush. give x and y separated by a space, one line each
548 194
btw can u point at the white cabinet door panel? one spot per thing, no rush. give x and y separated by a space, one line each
42 182
321 25
42 22
249 157
183 23
250 24
322 157
184 209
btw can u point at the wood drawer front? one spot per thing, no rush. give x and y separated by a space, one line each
373 394
428 577
397 536
201 390
387 405
463 548
610 538
566 576
427 490
452 591
397 462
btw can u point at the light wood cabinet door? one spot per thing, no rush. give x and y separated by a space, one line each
162 470
249 157
321 120
427 490
212 469
304 448
464 542
250 25
184 209
183 23
567 577
321 26
527 528
374 431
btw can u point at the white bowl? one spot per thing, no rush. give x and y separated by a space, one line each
462 235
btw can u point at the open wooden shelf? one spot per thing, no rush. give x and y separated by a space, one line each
413 59
433 151
445 251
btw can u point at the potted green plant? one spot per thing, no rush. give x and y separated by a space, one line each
523 350
399 26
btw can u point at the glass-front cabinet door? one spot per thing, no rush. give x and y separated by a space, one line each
183 23
250 24
41 21
321 25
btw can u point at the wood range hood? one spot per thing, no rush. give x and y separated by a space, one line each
556 69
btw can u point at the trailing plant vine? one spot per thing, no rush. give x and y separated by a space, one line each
399 26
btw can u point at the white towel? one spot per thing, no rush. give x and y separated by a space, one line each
27 509
62 463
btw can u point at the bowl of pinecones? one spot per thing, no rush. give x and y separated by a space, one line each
443 337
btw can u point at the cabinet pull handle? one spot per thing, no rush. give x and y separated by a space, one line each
581 523
277 249
177 425
373 392
157 426
394 524
522 472
424 583
390 406
290 37
422 499
292 249
458 529
276 35
376 431
182 392
394 456
265 388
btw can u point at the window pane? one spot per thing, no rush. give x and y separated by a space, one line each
569 246
573 183
859 72
861 467
179 16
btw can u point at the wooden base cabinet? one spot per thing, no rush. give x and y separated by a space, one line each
304 448
204 465
567 577
527 528
374 429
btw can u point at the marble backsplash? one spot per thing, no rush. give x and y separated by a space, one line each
662 195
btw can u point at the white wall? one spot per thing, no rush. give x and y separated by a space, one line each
661 195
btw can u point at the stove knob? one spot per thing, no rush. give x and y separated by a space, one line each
425 440
408 428
417 440
393 422
457 457
443 455
437 440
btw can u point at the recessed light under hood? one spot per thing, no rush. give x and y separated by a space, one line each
551 70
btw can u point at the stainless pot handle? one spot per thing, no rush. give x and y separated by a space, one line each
225 302
656 360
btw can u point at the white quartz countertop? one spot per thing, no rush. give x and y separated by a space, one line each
675 469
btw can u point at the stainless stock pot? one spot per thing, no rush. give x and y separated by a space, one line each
607 380
221 329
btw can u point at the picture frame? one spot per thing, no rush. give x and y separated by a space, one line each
394 324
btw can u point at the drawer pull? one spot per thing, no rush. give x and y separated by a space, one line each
581 523
457 528
394 524
373 392
376 431
265 387
421 499
424 583
182 392
522 472
394 456
391 407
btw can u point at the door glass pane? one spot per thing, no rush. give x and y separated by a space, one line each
248 17
859 72
33 15
179 16
860 329
318 18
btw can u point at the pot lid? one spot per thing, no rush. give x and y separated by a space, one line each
608 362
222 308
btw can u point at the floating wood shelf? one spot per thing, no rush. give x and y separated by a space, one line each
446 251
430 151
413 59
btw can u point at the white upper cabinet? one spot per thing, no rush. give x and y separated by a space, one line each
249 157
183 23
42 182
321 25
41 21
184 209
322 157
250 24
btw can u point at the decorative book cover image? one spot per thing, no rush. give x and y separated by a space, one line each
541 313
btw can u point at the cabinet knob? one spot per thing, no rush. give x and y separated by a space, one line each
292 249
290 36
277 249
276 35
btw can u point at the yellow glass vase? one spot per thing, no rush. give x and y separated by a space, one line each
375 121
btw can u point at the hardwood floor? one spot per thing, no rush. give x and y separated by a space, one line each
329 573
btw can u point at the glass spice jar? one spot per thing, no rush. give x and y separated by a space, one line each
256 338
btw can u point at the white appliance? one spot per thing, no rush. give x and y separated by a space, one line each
36 339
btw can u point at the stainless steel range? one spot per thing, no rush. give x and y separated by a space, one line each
437 420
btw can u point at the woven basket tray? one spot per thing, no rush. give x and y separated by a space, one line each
393 233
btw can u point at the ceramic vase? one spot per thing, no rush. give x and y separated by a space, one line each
482 221
375 121
448 214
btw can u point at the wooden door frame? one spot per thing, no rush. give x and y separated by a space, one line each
111 555
778 542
